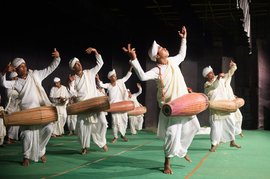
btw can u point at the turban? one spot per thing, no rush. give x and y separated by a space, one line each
111 73
206 70
56 79
153 51
17 62
13 74
72 62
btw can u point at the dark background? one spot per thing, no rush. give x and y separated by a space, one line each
32 29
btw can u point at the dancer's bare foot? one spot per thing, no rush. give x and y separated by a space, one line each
233 144
213 148
167 169
25 162
84 151
124 138
188 159
114 140
241 135
43 158
167 166
105 148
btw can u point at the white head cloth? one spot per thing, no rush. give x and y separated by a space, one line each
17 62
13 74
111 73
72 62
206 70
56 79
152 52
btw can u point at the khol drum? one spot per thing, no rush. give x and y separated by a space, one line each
92 105
121 106
137 111
226 106
186 105
35 116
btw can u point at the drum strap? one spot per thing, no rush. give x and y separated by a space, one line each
161 85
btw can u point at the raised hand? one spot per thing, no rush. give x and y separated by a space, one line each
55 53
90 50
183 32
130 51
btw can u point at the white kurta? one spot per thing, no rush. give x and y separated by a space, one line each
177 132
13 106
238 117
55 95
85 88
136 122
31 95
118 93
222 124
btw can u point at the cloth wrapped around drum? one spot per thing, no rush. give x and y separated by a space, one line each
35 116
186 105
121 106
92 105
226 106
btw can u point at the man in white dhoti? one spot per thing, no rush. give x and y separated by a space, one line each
117 92
177 132
222 124
135 122
59 96
12 106
238 117
83 86
2 126
32 95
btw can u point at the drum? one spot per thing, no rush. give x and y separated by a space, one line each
35 116
137 111
121 107
226 106
239 102
186 105
92 105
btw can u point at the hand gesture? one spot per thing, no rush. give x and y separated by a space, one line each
55 53
71 78
90 50
221 75
130 51
231 63
183 32
9 68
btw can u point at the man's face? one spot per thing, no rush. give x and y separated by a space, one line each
210 75
21 69
162 55
77 67
57 84
113 78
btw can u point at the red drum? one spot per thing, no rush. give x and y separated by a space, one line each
121 106
35 116
186 105
137 111
92 105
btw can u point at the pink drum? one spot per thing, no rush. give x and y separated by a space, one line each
186 105
137 111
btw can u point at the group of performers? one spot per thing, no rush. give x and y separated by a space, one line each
176 131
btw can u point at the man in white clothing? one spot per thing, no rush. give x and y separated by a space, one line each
83 86
135 122
117 92
12 106
237 115
177 132
222 124
59 96
32 95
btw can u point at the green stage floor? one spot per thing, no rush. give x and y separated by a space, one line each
142 158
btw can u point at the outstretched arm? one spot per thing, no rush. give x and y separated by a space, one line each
98 58
143 76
